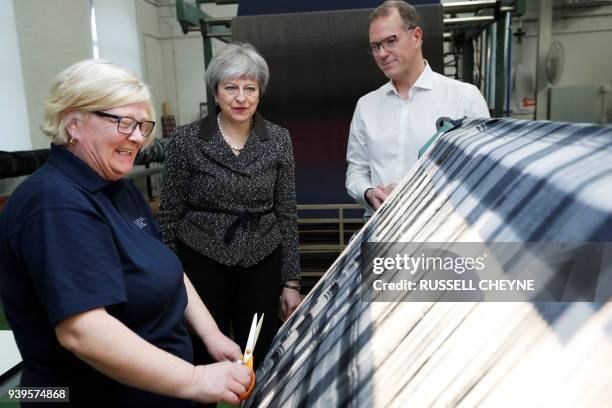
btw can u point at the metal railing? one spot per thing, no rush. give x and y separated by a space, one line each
317 257
338 219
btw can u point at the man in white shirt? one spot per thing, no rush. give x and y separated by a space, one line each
392 123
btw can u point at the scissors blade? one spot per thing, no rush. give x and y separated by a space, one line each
259 324
248 350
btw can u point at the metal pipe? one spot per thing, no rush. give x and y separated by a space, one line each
473 19
218 2
220 35
569 32
509 63
604 96
544 40
467 74
500 65
136 174
208 53
492 52
226 21
569 17
483 62
467 6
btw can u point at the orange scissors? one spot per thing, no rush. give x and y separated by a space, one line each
247 359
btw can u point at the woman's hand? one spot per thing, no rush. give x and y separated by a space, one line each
220 381
110 347
221 347
290 300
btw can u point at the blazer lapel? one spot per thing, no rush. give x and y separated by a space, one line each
256 144
214 146
217 149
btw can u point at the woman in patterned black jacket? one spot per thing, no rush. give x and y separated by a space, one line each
228 204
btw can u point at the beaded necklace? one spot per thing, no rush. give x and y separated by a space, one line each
227 140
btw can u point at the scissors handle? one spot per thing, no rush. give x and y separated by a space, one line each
248 392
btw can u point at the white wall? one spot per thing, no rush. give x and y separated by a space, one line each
586 35
183 60
117 29
51 35
128 35
150 52
183 66
13 106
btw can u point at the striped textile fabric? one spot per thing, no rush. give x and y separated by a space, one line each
497 180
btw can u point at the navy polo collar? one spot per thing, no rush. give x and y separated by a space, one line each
75 168
209 126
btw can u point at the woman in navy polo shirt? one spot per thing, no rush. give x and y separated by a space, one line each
96 301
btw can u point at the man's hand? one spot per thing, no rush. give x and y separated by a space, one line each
221 347
388 189
376 196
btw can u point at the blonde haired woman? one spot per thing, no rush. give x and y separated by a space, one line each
96 301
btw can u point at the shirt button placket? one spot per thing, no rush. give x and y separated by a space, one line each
403 137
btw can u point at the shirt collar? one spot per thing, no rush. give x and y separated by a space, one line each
75 168
389 88
209 126
424 81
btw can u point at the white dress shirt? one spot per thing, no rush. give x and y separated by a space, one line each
387 132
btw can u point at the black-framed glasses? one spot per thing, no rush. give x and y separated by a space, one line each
387 43
127 125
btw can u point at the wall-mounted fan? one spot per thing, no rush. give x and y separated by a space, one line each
555 60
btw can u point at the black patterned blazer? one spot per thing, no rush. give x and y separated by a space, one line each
205 185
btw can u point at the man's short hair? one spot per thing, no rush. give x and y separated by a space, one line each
408 14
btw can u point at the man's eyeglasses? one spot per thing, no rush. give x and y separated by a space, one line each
387 43
127 125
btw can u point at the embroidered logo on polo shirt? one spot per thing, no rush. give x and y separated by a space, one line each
140 222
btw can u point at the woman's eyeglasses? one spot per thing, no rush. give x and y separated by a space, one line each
127 125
